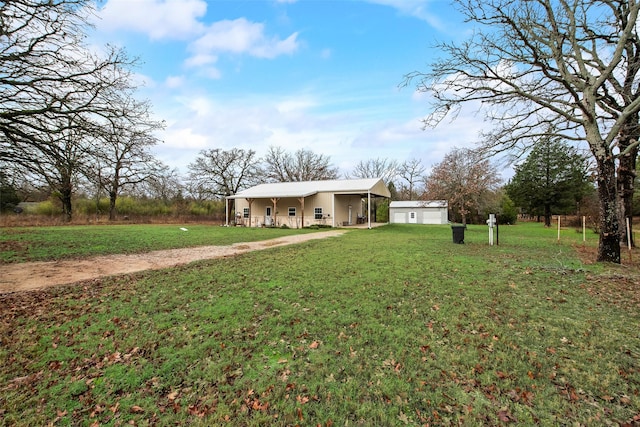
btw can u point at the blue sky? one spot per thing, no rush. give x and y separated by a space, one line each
320 75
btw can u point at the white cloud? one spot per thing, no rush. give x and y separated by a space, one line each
173 82
183 20
240 36
302 120
159 19
417 8
295 105
211 73
143 81
185 138
251 122
201 59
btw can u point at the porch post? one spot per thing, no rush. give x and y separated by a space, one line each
333 210
275 210
301 200
369 205
250 201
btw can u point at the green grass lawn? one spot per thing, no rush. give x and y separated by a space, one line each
391 326
20 244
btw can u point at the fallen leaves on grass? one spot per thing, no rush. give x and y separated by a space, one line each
633 422
505 416
617 284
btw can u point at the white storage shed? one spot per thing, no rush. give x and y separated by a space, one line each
419 212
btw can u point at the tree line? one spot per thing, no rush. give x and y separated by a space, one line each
554 179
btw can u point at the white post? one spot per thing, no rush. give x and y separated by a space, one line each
333 211
558 228
584 229
628 234
369 205
226 212
491 222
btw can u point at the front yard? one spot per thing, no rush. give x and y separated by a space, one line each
390 326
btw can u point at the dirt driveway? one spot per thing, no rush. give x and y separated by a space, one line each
37 275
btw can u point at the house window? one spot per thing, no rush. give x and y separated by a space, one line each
317 213
292 211
245 212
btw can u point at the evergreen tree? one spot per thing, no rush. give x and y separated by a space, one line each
553 178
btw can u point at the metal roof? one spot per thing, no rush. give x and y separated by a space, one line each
307 188
418 204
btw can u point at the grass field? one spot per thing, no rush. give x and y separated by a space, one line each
21 244
390 326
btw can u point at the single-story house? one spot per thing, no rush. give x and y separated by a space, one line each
336 203
419 212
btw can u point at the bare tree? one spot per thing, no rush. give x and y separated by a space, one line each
412 173
464 179
544 62
55 159
622 90
121 156
221 173
165 184
376 168
303 165
51 84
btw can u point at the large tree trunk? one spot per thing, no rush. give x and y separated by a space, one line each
66 193
626 178
627 174
547 215
609 244
231 209
112 205
113 193
65 198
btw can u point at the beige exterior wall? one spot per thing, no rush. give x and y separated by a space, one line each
342 209
381 189
335 211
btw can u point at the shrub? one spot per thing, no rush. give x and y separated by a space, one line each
48 207
126 205
509 214
91 206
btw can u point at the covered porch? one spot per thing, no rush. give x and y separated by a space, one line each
336 203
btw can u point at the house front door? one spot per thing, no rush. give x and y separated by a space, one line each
267 217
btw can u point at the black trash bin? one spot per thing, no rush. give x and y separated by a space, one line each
458 233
